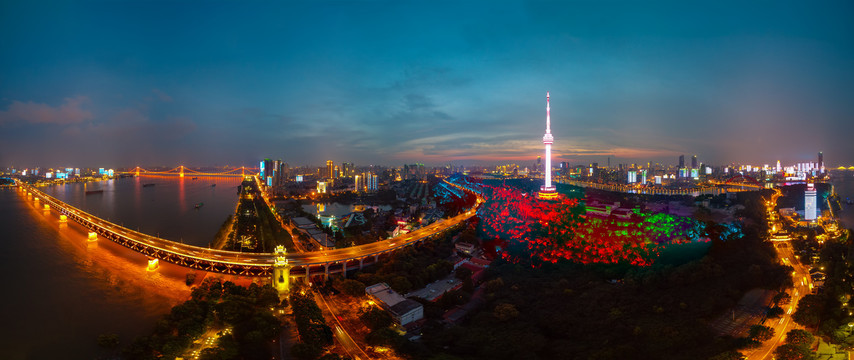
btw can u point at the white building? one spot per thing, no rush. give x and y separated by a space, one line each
809 203
403 310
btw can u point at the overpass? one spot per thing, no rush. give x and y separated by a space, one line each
302 264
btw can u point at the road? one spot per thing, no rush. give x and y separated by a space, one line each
254 259
353 350
802 286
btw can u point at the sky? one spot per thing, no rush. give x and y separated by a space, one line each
122 84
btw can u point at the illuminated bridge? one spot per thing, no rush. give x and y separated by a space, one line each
304 264
181 171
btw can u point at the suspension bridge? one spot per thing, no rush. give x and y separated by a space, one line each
181 171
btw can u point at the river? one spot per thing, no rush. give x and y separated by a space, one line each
62 292
843 183
166 207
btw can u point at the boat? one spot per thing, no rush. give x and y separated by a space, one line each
147 185
195 177
90 192
200 205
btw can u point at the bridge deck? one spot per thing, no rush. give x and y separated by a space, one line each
238 263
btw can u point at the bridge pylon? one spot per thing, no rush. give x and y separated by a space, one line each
137 171
281 271
182 170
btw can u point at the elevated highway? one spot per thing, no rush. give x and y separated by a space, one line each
303 264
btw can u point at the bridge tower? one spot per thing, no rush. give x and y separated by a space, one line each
243 171
137 171
281 271
182 170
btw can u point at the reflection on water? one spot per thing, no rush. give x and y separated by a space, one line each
158 205
62 292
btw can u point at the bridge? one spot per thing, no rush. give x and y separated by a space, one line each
181 170
301 264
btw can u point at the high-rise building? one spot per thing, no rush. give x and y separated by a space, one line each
633 177
266 170
681 161
820 161
372 181
809 203
359 183
694 162
348 169
547 191
329 169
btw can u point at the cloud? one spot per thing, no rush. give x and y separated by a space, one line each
70 112
162 95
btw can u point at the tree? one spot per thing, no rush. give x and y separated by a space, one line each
350 287
761 333
376 318
384 337
462 273
305 351
108 341
792 352
775 312
400 284
809 311
801 338
504 312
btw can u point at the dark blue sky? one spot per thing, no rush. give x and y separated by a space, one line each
119 84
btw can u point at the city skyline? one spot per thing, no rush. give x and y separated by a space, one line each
730 83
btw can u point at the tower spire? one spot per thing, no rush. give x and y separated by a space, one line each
548 115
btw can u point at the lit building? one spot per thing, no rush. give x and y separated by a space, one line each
359 183
681 161
330 169
547 191
371 180
694 162
633 177
402 309
820 161
321 187
347 169
809 203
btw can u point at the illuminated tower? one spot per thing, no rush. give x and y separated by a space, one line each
329 169
547 191
281 271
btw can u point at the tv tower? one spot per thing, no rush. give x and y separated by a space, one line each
548 191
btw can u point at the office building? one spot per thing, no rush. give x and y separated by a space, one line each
809 203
